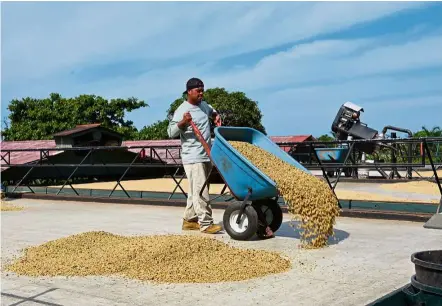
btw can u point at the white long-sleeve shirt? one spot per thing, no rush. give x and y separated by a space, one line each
192 149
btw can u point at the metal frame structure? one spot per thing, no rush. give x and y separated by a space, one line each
354 149
153 159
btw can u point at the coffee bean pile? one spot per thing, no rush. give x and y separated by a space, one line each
309 199
5 206
159 258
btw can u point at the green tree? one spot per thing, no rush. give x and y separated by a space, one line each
325 137
434 132
34 119
434 148
155 131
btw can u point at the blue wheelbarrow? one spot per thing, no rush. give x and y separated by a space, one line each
256 209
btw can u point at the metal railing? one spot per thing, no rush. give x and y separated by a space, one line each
409 154
90 158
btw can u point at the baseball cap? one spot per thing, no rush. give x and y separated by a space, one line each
193 83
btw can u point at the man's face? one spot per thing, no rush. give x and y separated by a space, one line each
196 94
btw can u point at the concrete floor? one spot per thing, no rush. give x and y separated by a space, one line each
369 259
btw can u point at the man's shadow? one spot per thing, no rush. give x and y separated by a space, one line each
290 229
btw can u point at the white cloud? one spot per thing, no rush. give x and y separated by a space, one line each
39 54
328 60
359 91
294 70
314 62
56 37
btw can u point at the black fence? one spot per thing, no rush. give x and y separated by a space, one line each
84 164
394 154
410 154
119 163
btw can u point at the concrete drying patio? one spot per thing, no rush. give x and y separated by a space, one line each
369 259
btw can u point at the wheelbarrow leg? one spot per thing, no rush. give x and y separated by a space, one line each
267 233
204 186
243 206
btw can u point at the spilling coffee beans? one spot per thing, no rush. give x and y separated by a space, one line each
309 199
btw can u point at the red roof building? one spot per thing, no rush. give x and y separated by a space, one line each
77 129
296 138
24 157
170 155
290 139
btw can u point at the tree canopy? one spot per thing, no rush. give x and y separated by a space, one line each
35 119
325 137
155 131
434 132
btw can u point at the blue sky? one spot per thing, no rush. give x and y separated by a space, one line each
299 60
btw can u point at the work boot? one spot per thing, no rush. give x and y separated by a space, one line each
212 229
190 225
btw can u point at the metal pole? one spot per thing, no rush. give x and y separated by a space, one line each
326 178
435 174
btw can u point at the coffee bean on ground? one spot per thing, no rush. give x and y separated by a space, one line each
5 206
161 258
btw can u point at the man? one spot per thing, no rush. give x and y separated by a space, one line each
198 213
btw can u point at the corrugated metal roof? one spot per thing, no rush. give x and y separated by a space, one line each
170 156
78 128
166 143
286 139
167 155
27 156
295 138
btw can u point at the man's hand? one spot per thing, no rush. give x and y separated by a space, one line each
217 120
187 118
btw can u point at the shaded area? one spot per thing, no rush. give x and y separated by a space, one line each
288 229
31 298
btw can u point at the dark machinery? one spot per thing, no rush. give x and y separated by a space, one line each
348 123
347 126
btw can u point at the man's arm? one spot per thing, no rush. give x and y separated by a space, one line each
214 114
212 111
176 127
173 130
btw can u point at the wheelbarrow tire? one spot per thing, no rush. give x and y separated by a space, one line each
274 219
240 231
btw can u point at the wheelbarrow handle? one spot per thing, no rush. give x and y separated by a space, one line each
200 138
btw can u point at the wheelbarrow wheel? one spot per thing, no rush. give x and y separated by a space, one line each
270 211
247 226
